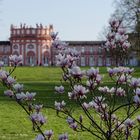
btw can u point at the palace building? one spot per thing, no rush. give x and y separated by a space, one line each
34 44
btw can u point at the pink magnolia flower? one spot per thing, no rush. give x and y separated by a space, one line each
92 73
18 87
78 92
138 92
91 84
15 59
135 82
76 72
114 23
8 93
38 108
21 96
120 92
69 120
3 75
48 133
85 105
63 136
74 126
39 137
129 123
59 105
30 96
38 118
59 89
137 100
10 80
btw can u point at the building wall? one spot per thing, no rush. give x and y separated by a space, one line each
34 44
5 51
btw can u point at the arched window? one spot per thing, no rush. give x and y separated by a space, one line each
30 46
15 47
45 58
31 58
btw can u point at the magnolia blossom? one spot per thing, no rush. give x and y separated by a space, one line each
70 120
38 108
38 118
59 89
121 79
8 93
114 22
59 105
135 82
74 126
21 96
106 90
15 59
137 100
91 84
129 123
39 137
120 92
10 80
48 133
78 92
3 75
63 136
92 72
138 92
85 105
60 60
30 96
58 44
18 87
76 72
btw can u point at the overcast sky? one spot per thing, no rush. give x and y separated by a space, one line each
73 19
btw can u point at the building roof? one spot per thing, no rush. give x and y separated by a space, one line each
4 42
85 42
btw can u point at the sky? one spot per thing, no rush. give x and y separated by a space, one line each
73 19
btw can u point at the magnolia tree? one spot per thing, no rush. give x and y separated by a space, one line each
117 44
108 112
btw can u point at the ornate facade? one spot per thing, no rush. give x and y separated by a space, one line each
33 43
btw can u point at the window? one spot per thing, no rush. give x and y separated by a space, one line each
28 31
33 31
108 63
100 61
83 49
100 50
91 49
22 31
18 32
91 61
82 61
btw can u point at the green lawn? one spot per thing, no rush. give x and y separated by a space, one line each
14 123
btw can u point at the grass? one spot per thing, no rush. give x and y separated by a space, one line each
14 123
